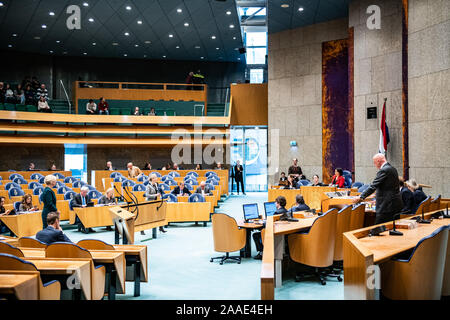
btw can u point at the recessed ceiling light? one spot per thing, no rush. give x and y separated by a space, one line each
136 45
65 52
51 13
94 44
9 45
37 38
145 56
91 19
139 22
285 5
300 9
197 47
202 57
147 41
51 51
217 48
115 44
179 10
234 38
186 24
44 26
85 53
213 37
127 34
228 12
125 55
14 34
231 26
58 41
239 58
128 8
164 56
86 5
178 47
170 35
1 4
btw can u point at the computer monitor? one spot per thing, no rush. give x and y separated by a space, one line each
270 208
250 211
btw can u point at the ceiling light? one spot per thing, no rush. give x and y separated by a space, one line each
170 35
217 48
115 44
202 57
51 13
85 53
234 38
285 5
91 19
179 10
51 51
178 47
139 22
37 38
231 26
125 55
128 8
147 41
239 58
145 56
14 34
197 47
300 9
9 45
1 4
213 37
136 45
44 26
86 5
186 24
164 56
94 44
228 12
65 52
127 34
58 41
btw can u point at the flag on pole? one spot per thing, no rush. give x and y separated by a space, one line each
384 132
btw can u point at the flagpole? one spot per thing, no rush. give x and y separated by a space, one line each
385 116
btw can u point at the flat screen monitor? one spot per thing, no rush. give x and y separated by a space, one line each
250 211
270 208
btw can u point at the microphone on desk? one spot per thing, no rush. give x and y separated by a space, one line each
394 231
422 219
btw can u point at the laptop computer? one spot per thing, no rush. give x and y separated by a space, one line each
250 211
270 208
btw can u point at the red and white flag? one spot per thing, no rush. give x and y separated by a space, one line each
384 132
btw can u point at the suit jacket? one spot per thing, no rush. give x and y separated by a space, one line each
238 174
418 197
49 200
77 202
151 191
284 213
50 235
407 199
388 198
207 190
340 182
176 191
105 200
300 207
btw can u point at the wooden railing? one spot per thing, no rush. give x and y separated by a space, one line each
139 91
268 263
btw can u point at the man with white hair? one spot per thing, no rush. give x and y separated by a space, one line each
152 192
133 171
203 189
81 200
388 198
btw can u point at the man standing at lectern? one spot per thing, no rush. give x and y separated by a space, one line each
388 198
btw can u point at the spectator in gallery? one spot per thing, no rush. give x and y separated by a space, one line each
53 168
218 166
152 112
103 107
137 112
133 171
190 79
91 107
109 166
35 84
19 95
9 94
198 167
147 166
43 105
167 166
31 167
42 92
2 92
29 95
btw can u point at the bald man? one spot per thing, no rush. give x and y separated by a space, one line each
388 198
133 171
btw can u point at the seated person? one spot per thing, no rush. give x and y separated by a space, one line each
109 166
280 203
31 167
291 183
43 105
218 166
53 232
53 168
418 194
91 107
203 189
181 190
153 189
108 197
137 112
316 182
133 171
152 112
198 167
176 167
283 180
27 204
300 204
147 166
103 107
338 179
4 212
407 197
81 200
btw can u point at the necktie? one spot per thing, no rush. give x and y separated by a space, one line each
83 201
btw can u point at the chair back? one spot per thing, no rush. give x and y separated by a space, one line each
14 176
28 242
120 179
348 181
156 173
70 179
66 250
9 249
12 262
33 185
421 275
210 173
10 185
170 197
357 217
69 195
142 178
211 186
164 178
20 180
190 181
15 192
93 244
62 190
59 175
128 183
17 205
36 176
435 204
189 186
226 234
174 174
346 173
170 182
424 205
38 191
213 182
192 173
78 184
139 187
115 175
196 197
343 222
94 194
316 248
357 184
164 187
41 180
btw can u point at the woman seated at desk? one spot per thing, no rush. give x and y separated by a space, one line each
27 204
316 182
108 198
338 178
291 184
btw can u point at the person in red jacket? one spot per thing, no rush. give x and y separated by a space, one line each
338 178
103 107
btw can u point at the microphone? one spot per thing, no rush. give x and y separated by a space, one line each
445 215
120 198
394 231
422 219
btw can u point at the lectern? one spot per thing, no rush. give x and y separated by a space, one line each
124 225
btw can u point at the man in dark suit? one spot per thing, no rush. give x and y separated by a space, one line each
81 200
301 205
388 198
181 190
53 232
203 189
238 176
109 166
407 197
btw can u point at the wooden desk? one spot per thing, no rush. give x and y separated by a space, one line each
268 265
188 211
328 203
311 195
361 251
65 267
24 225
11 240
21 286
246 252
92 217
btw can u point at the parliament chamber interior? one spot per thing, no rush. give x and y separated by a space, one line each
224 150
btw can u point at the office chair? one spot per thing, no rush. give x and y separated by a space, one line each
69 180
33 185
417 274
69 195
227 237
94 244
363 188
19 181
28 242
15 175
357 184
59 175
435 204
424 205
36 176
315 247
15 192
9 249
115 175
357 217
